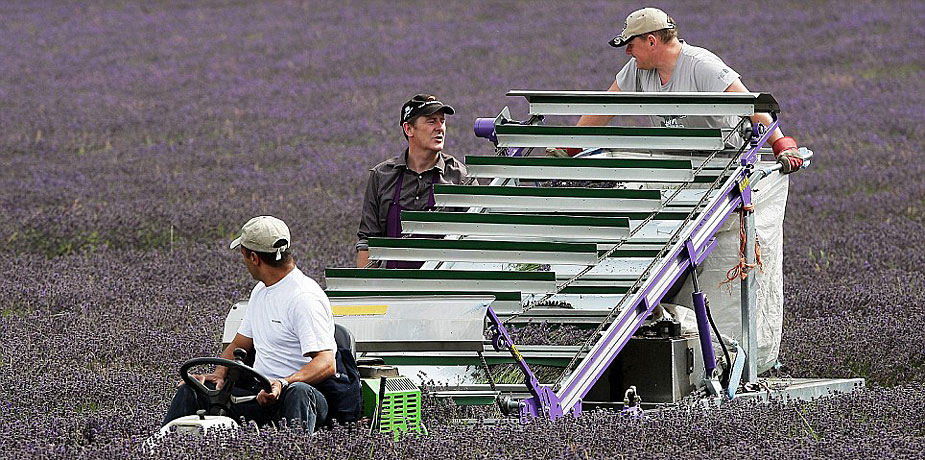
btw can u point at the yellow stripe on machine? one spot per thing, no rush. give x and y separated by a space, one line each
359 310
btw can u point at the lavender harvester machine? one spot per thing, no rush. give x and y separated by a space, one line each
595 242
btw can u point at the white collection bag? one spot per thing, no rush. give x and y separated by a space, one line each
769 199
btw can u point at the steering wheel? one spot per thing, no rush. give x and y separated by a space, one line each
221 400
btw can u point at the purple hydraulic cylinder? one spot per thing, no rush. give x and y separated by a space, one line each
485 127
703 329
700 310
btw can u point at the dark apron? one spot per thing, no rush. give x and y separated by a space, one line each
393 224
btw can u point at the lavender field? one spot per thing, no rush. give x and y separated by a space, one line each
137 137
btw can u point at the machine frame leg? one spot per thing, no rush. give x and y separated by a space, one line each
749 287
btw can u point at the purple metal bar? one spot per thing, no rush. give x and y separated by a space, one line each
692 254
518 152
751 156
544 400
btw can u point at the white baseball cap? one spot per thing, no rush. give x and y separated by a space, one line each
644 21
264 234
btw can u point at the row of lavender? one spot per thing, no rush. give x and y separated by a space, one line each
136 138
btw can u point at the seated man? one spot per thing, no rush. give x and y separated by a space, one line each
407 181
289 328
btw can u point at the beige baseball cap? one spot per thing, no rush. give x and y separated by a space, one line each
264 234
641 22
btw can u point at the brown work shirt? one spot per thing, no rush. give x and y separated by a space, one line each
415 191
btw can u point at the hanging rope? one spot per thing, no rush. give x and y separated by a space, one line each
740 271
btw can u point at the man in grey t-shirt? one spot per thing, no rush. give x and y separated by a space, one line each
663 63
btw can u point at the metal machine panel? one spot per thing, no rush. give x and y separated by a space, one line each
663 370
361 279
551 227
630 103
616 141
414 324
233 322
481 250
582 173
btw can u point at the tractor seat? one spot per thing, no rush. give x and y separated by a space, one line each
345 340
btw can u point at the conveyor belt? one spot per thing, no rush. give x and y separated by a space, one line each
610 251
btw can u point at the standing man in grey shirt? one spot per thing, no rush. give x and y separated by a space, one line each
660 62
663 63
407 181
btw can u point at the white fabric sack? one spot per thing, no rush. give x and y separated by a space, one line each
770 199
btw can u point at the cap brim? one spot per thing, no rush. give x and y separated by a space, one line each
619 41
235 243
437 108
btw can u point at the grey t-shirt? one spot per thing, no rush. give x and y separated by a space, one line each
697 69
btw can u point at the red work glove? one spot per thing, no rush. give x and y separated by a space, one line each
787 154
559 152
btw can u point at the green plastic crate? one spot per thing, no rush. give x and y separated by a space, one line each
401 406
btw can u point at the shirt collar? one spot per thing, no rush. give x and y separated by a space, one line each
441 163
402 162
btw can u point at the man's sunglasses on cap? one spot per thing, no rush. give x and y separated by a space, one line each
414 108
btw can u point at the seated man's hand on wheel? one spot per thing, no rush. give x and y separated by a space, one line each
221 399
203 378
264 398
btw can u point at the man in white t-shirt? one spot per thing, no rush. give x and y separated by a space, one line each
288 326
662 63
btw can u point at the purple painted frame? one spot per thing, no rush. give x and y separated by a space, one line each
692 251
544 400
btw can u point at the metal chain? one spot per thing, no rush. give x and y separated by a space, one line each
491 380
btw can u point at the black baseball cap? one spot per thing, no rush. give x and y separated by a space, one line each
423 104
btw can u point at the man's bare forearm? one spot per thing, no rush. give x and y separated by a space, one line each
319 369
594 120
362 259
